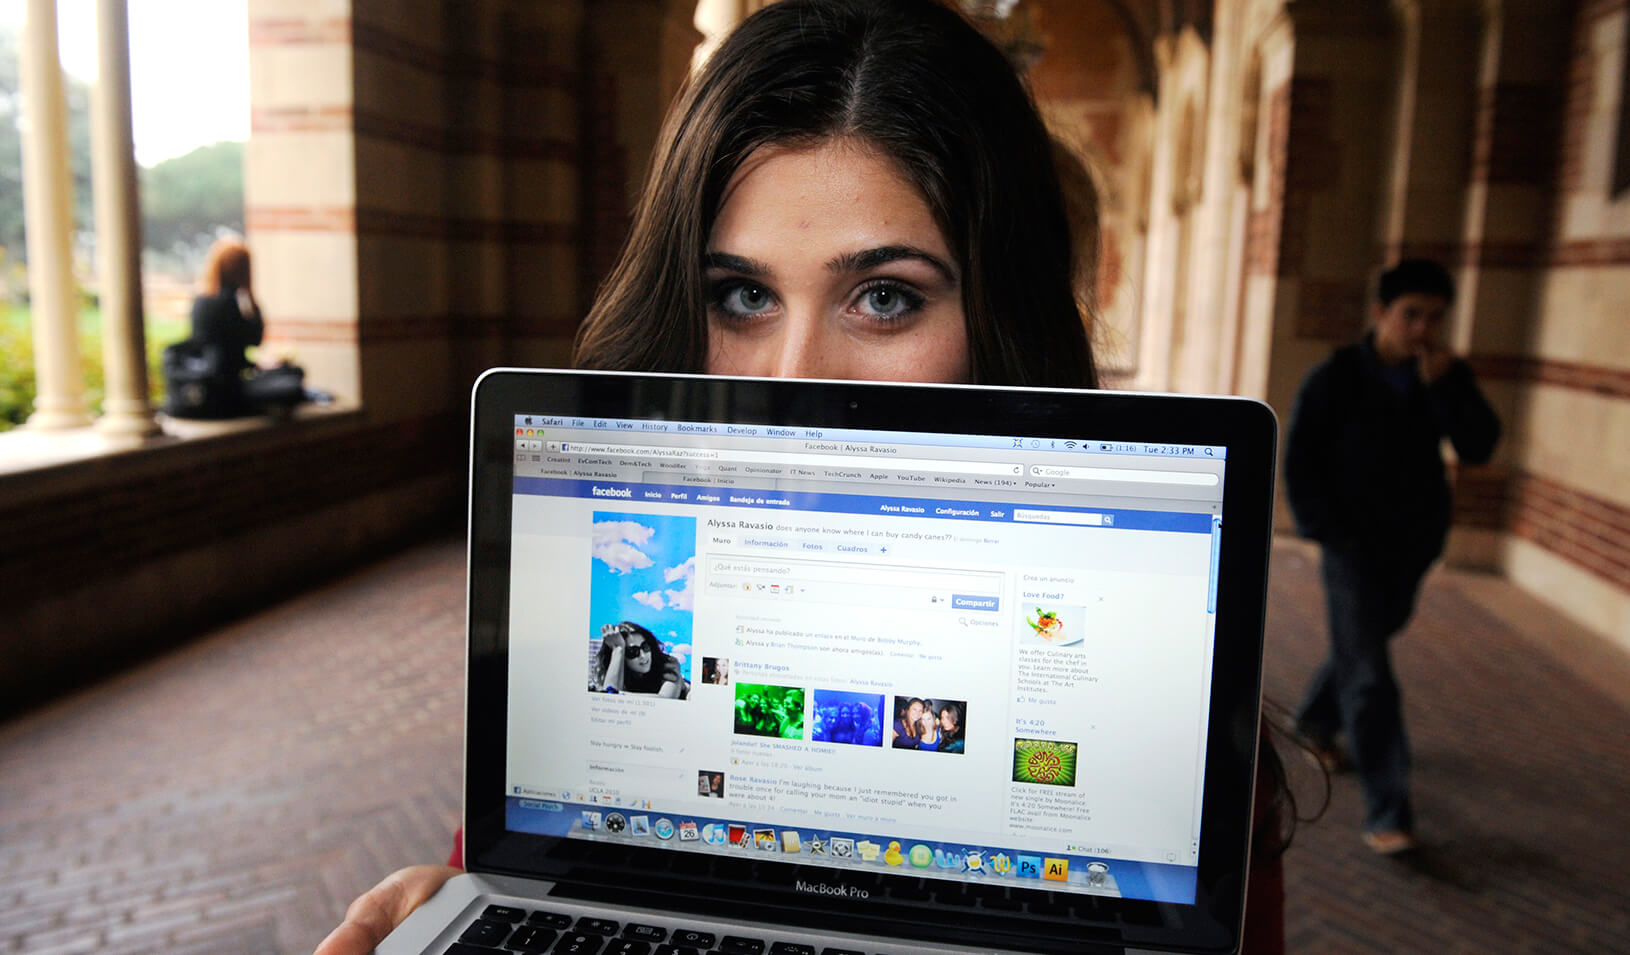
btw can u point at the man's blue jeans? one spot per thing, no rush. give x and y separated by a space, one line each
1370 597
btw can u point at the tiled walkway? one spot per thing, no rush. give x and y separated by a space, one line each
233 796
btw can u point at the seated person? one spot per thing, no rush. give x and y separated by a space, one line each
209 375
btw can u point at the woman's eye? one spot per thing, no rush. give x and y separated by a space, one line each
887 300
743 299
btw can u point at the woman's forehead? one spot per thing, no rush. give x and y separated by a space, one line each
828 199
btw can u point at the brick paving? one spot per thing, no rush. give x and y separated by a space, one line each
233 796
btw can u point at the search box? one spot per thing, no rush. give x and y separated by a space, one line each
1076 518
1136 475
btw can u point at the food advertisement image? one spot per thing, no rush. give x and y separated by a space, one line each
1053 625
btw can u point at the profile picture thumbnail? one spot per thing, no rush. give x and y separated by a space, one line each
841 716
766 710
1048 762
929 724
641 604
716 670
710 783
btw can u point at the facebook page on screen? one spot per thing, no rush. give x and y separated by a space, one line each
949 656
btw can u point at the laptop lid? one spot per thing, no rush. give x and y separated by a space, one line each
954 663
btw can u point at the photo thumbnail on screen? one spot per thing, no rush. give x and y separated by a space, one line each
842 716
765 710
1055 625
716 670
929 724
641 601
1048 762
710 783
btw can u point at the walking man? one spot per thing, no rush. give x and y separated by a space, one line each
1365 476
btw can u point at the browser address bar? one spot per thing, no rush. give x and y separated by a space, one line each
704 455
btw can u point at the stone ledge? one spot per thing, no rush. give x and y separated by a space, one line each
25 452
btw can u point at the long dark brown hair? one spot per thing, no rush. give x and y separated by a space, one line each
910 78
226 268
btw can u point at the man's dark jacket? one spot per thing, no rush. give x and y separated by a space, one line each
1363 463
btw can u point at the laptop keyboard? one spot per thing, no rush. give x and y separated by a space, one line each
509 929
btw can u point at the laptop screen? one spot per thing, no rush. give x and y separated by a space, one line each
974 659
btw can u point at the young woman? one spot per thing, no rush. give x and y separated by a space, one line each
631 660
209 375
716 671
848 189
905 724
950 728
928 729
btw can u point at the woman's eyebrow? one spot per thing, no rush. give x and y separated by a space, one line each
868 259
734 263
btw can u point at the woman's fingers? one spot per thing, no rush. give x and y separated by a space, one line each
383 907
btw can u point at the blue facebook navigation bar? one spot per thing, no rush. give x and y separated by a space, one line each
936 508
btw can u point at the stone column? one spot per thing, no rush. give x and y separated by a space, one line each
118 230
48 215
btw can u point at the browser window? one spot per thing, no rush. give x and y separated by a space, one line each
963 657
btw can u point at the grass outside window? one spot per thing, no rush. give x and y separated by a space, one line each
17 384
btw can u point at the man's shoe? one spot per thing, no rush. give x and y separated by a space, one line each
1389 842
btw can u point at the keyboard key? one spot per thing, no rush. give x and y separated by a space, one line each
532 938
676 950
737 945
648 933
485 932
576 943
596 926
551 919
627 946
688 939
503 913
791 948
842 951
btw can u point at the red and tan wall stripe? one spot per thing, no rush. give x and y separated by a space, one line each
1583 528
482 152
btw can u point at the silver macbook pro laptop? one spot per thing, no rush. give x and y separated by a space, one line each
772 667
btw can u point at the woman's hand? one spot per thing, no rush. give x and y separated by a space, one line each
383 907
611 635
614 636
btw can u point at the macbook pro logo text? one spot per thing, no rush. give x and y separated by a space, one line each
841 891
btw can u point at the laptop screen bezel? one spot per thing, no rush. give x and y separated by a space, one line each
1246 428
